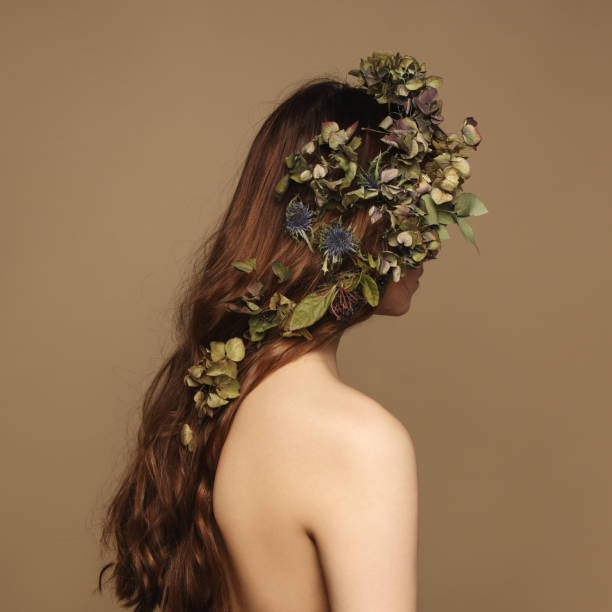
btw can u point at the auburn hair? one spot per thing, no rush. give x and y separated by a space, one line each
160 524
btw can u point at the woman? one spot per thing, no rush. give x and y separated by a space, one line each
305 498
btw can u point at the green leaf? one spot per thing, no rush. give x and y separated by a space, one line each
337 138
470 134
214 401
443 233
217 350
196 371
234 348
195 381
259 323
468 205
369 288
351 171
311 309
225 366
228 388
190 382
328 128
245 266
282 271
444 217
282 185
386 123
355 142
187 436
414 84
300 332
467 231
439 196
432 213
256 336
274 300
461 164
309 147
255 289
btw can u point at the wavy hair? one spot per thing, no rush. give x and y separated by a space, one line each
166 545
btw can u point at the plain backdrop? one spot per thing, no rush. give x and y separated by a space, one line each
124 125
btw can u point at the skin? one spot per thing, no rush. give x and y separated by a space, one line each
316 491
397 296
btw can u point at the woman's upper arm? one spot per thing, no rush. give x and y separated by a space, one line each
363 517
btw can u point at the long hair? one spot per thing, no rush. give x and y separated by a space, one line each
160 523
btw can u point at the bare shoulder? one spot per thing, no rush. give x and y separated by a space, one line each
327 423
358 500
308 438
353 419
354 441
343 469
325 439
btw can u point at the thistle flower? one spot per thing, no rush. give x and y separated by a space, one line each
298 220
336 241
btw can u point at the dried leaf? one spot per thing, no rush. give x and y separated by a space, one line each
282 271
234 349
310 309
245 266
369 289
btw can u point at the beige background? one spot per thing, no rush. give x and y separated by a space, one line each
123 125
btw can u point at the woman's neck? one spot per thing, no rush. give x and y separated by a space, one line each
325 356
318 364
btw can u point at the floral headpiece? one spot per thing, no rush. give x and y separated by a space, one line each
414 186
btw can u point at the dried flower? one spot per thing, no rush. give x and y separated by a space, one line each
414 185
336 241
345 303
298 220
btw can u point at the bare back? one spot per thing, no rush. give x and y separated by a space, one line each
270 479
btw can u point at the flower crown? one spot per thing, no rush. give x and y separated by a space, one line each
414 186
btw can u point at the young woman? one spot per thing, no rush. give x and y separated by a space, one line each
301 494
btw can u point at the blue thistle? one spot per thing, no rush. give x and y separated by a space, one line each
336 241
298 220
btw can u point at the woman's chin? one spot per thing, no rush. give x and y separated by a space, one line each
395 308
396 298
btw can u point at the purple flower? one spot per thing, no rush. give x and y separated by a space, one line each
336 241
298 220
